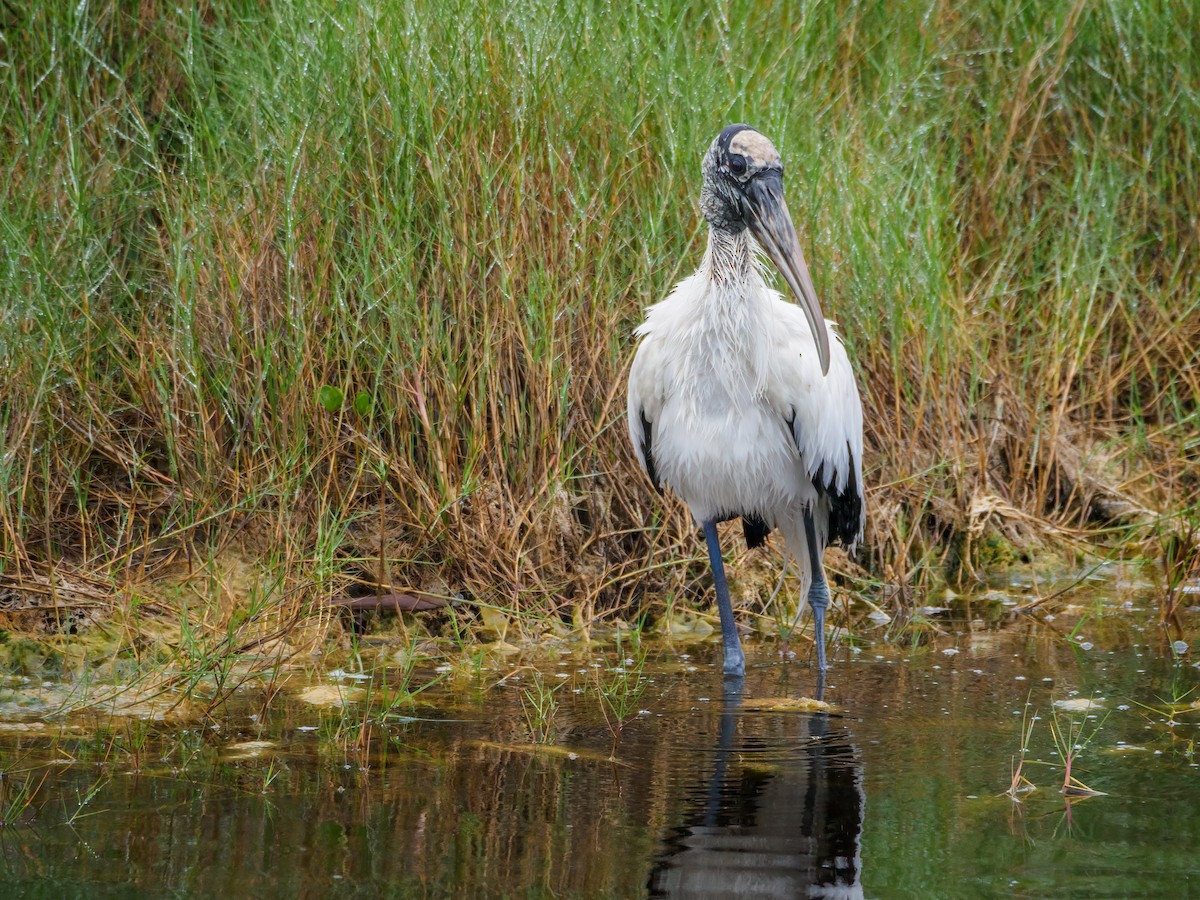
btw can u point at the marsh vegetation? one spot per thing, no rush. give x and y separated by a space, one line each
307 301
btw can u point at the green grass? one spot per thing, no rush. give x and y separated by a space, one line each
454 215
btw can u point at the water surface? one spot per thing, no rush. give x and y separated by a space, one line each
899 792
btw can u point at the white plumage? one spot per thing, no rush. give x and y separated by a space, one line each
744 419
728 404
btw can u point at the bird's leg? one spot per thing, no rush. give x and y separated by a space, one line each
818 591
735 660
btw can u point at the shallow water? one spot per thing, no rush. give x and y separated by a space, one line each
899 792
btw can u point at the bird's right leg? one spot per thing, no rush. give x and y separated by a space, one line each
735 660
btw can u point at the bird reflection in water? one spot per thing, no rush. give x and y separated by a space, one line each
778 815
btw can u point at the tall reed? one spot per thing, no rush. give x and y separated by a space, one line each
352 285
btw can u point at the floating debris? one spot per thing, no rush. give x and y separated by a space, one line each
501 648
330 695
569 753
248 749
1080 704
787 704
687 627
1075 788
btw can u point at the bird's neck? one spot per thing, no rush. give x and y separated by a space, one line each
729 259
733 315
736 295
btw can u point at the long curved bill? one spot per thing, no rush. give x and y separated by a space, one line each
772 227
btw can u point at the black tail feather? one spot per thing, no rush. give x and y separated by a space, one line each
755 530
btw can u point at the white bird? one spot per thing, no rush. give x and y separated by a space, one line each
744 403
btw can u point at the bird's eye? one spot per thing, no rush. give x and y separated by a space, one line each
737 164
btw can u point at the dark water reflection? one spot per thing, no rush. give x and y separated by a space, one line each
899 793
773 815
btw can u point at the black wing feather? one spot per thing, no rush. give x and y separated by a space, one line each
845 506
647 452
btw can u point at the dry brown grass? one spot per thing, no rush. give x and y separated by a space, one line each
1000 206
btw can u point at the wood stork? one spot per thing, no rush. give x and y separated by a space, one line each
744 403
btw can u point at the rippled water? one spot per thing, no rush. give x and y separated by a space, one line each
899 792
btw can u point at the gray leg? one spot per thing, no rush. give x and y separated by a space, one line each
735 661
818 592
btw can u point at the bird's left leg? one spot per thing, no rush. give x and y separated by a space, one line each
735 660
818 591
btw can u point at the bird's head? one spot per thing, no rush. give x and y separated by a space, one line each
743 188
